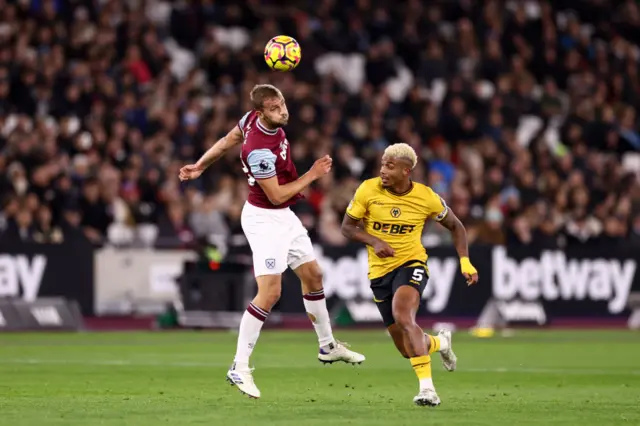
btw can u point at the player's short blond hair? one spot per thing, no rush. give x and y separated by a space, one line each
402 151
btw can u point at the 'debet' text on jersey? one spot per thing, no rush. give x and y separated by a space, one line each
265 154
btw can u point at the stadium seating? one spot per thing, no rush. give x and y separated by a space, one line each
542 89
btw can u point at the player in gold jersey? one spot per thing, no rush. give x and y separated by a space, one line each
388 214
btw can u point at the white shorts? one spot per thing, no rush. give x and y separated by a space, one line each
277 239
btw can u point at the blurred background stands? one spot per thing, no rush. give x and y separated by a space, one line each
524 114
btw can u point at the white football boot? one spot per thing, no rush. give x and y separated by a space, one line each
449 359
427 398
340 351
243 380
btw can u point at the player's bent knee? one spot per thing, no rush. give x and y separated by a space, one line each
272 293
313 275
315 278
269 297
310 275
405 324
403 320
269 290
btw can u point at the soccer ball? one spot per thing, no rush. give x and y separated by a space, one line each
282 53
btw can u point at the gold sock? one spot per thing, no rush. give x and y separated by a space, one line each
422 366
434 343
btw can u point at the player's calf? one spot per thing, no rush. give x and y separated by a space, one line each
240 374
398 339
315 304
416 351
404 305
413 336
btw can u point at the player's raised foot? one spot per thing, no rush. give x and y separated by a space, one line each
427 398
449 359
243 380
339 351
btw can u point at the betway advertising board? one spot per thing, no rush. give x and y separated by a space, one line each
32 271
578 282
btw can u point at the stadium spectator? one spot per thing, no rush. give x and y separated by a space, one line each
524 114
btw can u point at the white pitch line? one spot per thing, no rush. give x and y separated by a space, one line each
534 370
195 364
111 362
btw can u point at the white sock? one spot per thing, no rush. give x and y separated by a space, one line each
426 383
250 326
316 307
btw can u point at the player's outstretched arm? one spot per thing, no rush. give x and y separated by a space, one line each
217 150
279 194
351 230
459 233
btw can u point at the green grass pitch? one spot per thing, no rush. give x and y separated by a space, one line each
177 378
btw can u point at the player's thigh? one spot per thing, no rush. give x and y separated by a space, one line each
310 276
268 242
382 289
405 305
408 286
301 257
269 257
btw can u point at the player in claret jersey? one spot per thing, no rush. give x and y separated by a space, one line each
277 237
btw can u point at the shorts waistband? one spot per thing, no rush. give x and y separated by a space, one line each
277 211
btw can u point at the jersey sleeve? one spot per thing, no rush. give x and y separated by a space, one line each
262 163
358 206
242 122
436 206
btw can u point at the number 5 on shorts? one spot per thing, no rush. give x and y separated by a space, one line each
418 274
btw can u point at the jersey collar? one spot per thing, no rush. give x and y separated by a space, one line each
404 193
264 129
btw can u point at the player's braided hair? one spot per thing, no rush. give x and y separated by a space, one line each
261 92
402 151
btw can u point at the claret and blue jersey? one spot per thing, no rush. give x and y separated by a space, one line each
265 154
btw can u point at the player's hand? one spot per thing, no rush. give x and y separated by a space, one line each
321 167
383 249
190 172
468 270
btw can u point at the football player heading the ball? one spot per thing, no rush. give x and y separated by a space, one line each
277 238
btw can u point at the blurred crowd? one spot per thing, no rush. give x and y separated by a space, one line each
524 113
